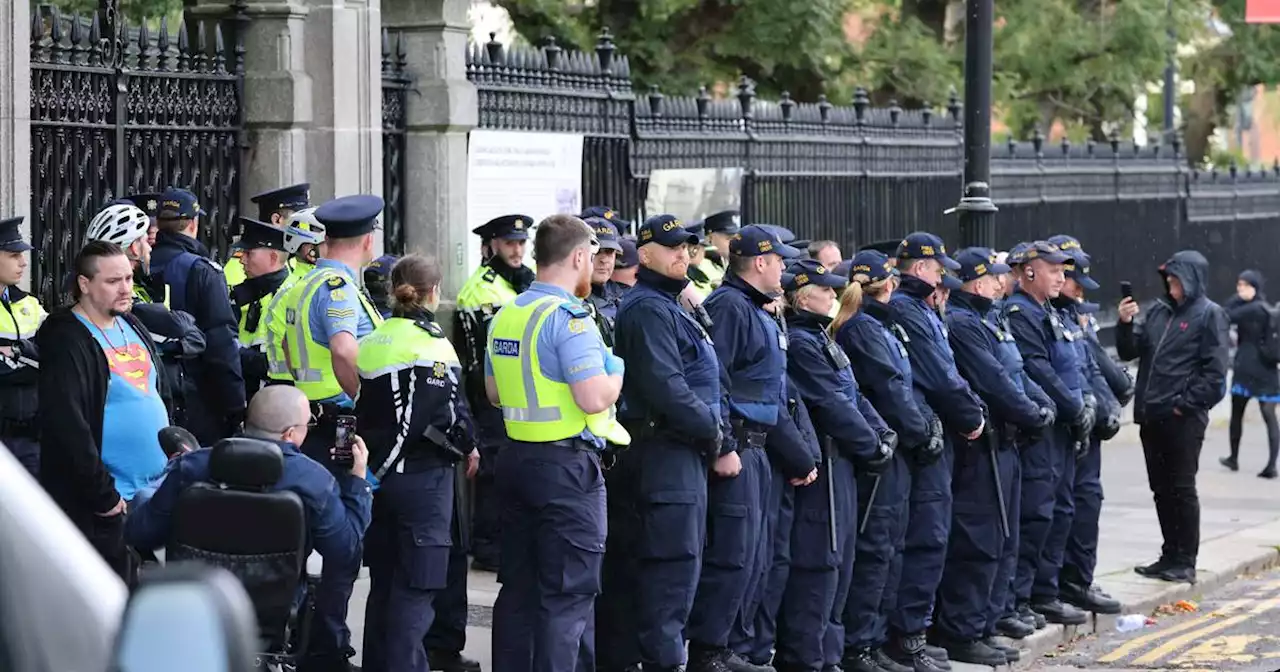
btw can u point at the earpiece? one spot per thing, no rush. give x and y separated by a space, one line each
1031 274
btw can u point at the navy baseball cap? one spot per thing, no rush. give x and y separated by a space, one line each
295 197
874 264
178 203
630 255
350 216
811 272
381 266
951 282
784 234
259 234
1018 254
725 221
976 262
10 238
843 267
604 212
606 234
758 239
1065 243
697 228
925 245
506 227
1045 251
665 230
148 203
1078 270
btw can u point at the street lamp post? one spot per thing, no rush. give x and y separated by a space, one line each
1170 71
977 211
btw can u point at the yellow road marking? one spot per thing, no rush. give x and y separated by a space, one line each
1132 646
1222 624
1226 647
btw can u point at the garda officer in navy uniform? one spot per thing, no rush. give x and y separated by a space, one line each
1053 363
149 203
1075 582
984 469
215 401
752 348
876 349
673 408
824 536
605 293
249 299
627 264
414 443
377 282
20 317
923 262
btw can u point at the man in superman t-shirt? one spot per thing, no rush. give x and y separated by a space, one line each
134 411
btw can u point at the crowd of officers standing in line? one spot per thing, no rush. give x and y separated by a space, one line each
884 463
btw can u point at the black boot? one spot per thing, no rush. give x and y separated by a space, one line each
736 663
1229 462
707 660
938 654
451 661
1014 628
1087 598
1030 617
1054 611
909 650
976 653
888 664
1269 472
1154 568
861 660
1177 574
1012 654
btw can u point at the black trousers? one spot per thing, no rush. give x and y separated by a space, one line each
1172 445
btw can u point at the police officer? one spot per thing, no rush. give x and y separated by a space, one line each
875 346
264 266
627 264
547 368
719 228
923 263
327 316
752 347
181 266
824 536
1052 362
1075 583
622 226
274 208
414 441
304 241
494 284
701 281
984 472
20 316
658 490
377 282
148 202
605 293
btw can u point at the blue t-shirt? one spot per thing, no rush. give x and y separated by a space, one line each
134 413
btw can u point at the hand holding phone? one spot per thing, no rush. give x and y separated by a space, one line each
1126 289
343 439
1128 307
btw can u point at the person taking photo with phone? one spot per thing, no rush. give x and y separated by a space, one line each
1182 350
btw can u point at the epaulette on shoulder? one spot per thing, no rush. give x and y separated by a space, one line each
336 281
430 327
575 309
1013 308
489 275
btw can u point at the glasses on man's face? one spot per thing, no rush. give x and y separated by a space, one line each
311 422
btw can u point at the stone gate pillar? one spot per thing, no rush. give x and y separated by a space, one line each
441 107
15 111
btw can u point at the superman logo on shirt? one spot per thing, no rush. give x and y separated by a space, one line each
132 363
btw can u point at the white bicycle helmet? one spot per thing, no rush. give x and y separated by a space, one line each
120 224
303 228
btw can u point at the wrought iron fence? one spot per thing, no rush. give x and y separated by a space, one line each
118 110
395 87
857 173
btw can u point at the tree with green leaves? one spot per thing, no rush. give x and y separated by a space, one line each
135 10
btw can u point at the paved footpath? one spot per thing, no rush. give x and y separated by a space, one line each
1240 534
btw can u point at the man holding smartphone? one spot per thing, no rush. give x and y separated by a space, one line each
1182 352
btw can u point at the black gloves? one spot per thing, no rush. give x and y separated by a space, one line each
1082 428
884 454
1108 428
931 451
1125 395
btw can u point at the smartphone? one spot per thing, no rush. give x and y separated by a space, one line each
1126 289
344 438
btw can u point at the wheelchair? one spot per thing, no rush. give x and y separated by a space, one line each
234 521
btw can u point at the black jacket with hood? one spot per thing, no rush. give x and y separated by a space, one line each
73 390
1182 347
1251 371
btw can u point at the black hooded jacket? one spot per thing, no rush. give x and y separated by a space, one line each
1251 371
1182 347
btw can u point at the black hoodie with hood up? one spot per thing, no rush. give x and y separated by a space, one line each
1251 371
1182 347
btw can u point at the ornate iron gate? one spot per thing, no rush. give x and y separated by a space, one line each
395 86
118 110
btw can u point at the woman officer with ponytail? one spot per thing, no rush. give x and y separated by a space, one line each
416 423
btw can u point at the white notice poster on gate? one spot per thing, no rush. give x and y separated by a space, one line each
514 172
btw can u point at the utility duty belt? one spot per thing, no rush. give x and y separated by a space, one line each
749 434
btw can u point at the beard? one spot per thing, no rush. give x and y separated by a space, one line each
583 289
